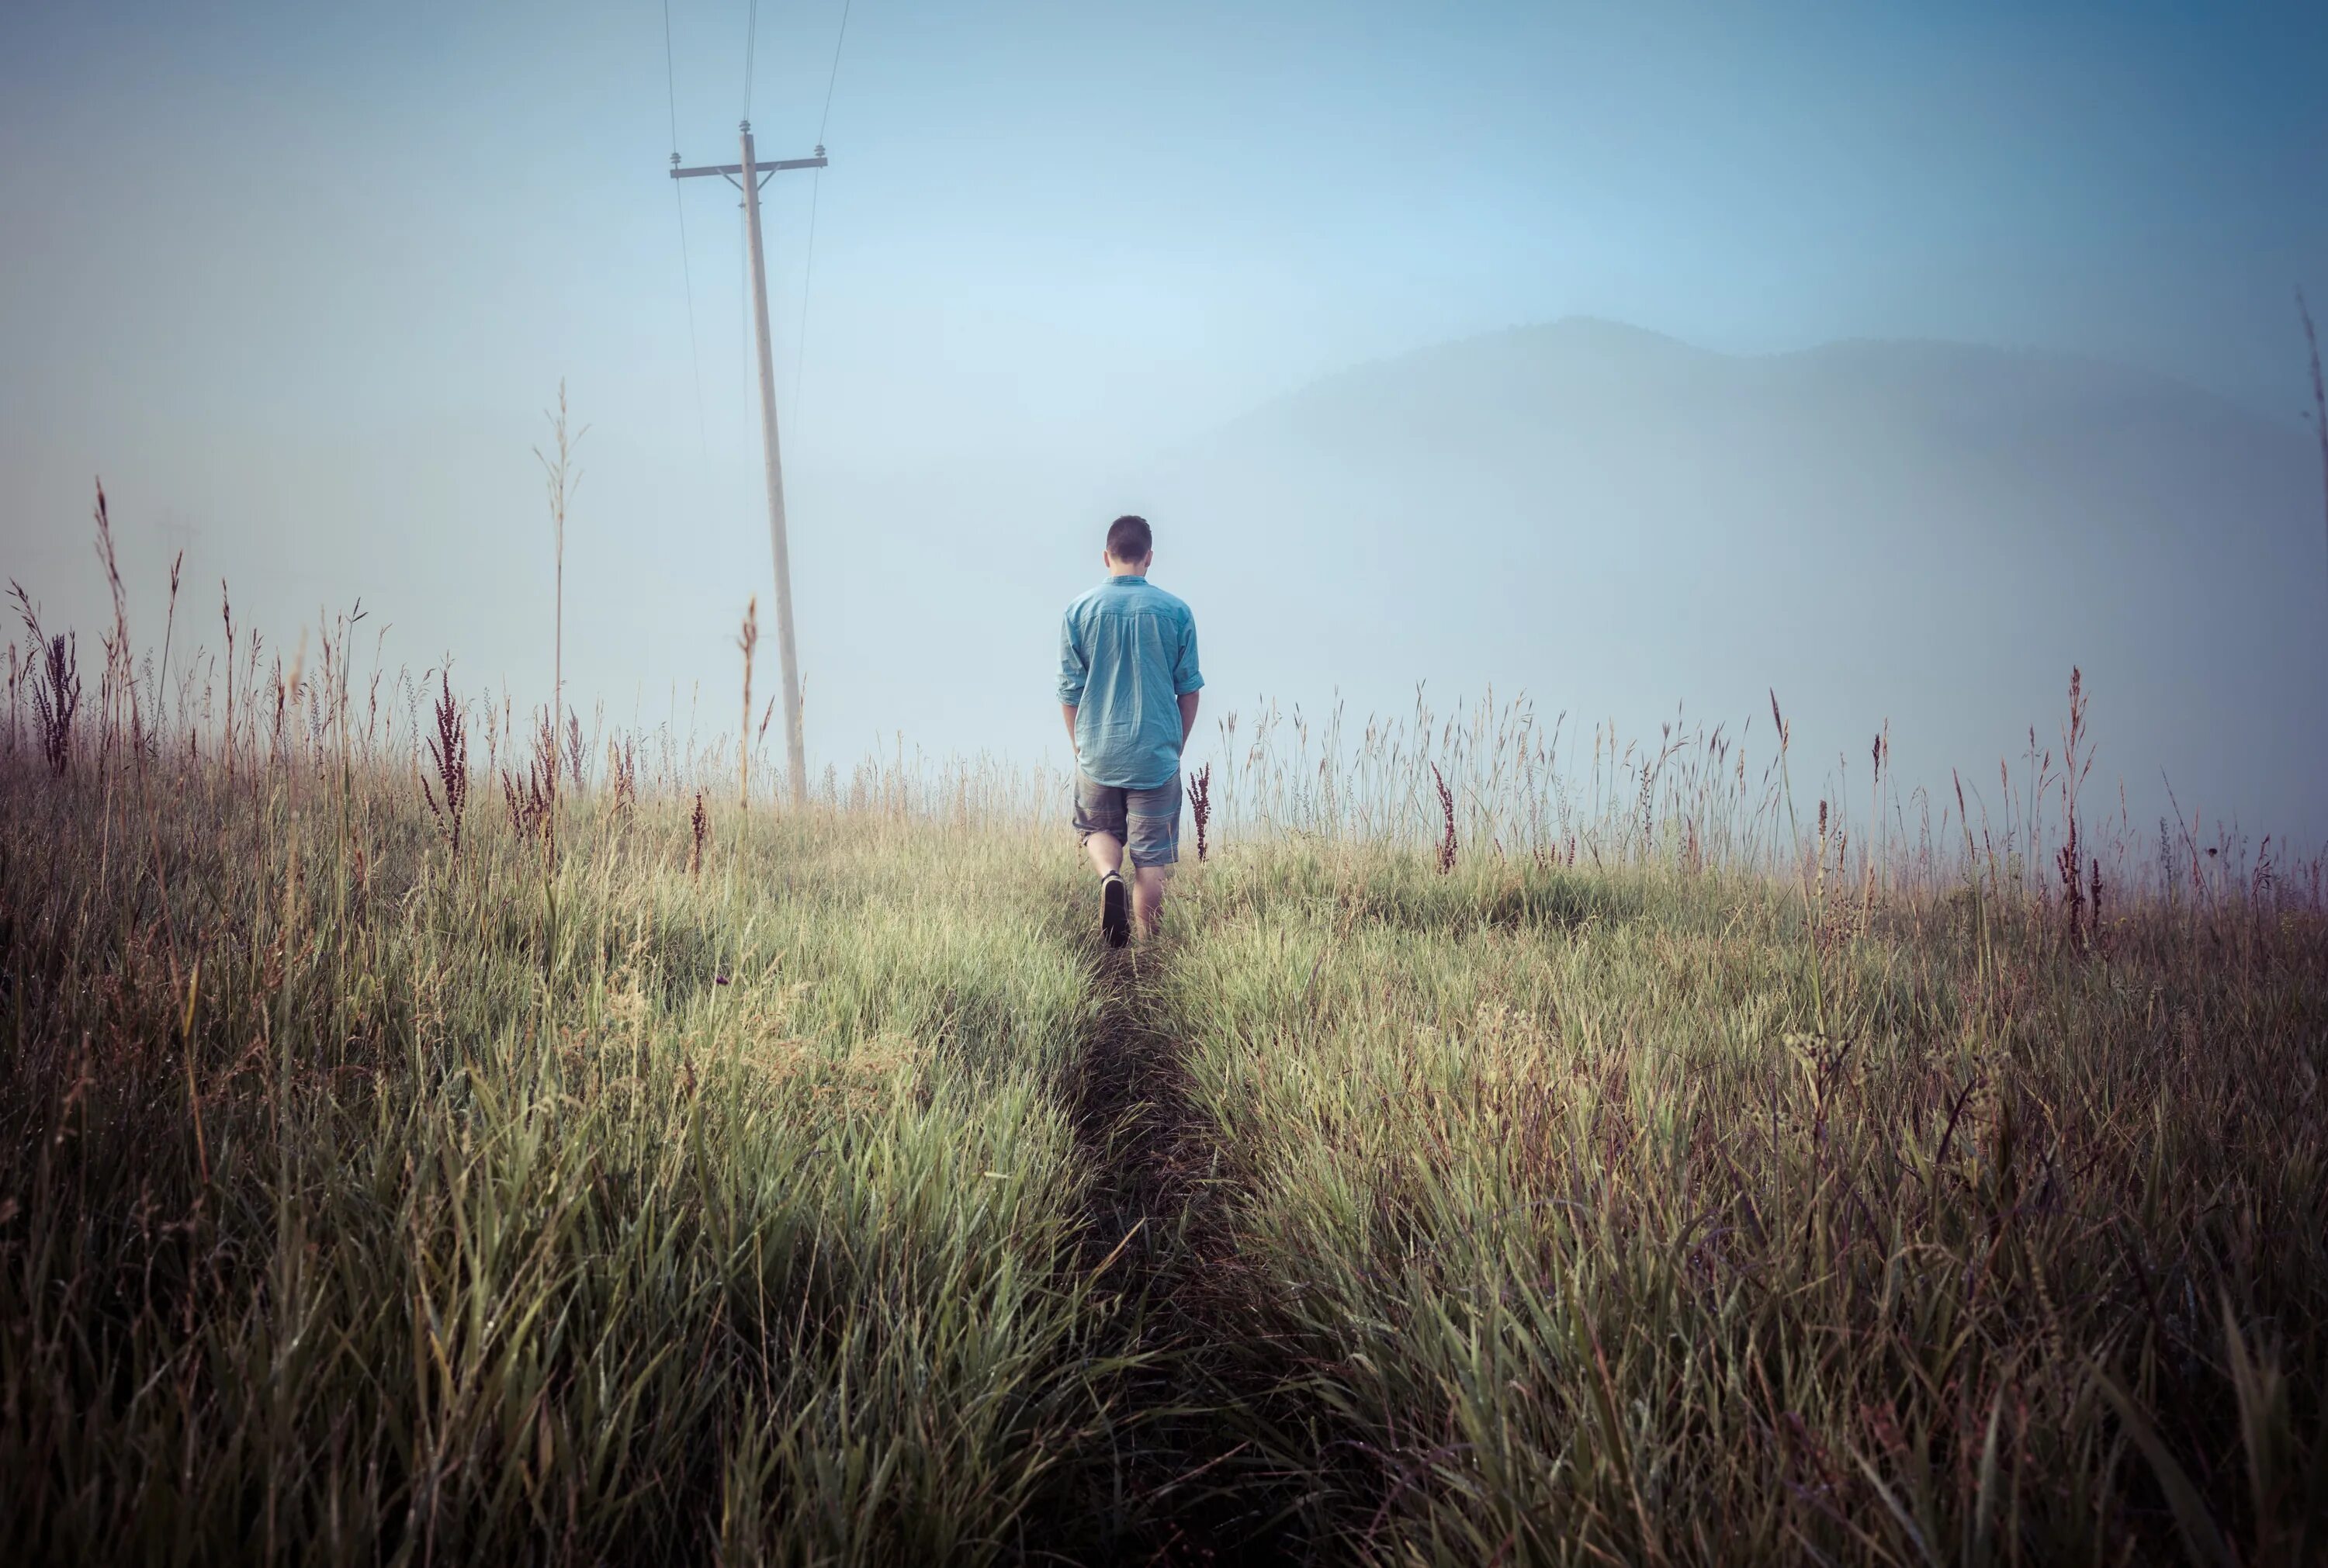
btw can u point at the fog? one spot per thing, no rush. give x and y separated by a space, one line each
1643 364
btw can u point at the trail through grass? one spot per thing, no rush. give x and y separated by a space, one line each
1201 1488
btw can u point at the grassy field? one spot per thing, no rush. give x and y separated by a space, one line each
363 1205
631 1176
1609 1218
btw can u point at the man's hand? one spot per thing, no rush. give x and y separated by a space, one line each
1068 710
1188 718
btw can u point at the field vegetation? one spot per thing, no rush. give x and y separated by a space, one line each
433 1134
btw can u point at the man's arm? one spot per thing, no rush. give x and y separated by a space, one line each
1072 668
1187 677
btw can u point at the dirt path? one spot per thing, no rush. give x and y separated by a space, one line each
1159 1222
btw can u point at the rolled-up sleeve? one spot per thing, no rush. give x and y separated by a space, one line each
1185 676
1072 666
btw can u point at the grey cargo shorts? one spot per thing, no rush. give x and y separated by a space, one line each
1146 822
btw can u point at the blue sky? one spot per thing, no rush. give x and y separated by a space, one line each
298 280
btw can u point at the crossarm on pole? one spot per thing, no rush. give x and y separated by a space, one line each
732 170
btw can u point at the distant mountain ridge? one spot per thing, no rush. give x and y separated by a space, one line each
1930 532
1609 356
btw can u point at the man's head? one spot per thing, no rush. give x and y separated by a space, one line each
1129 547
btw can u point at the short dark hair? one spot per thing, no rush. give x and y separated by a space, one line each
1129 540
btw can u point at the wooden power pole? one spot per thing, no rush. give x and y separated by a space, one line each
748 176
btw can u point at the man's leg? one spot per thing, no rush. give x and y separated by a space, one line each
1099 817
1107 852
1147 896
1107 855
1152 838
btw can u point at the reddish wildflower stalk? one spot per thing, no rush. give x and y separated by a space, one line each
1200 803
449 751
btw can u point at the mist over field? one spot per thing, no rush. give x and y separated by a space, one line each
1605 520
1640 363
1922 535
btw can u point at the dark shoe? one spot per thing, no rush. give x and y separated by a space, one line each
1115 913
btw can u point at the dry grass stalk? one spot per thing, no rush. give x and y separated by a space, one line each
117 693
225 613
2077 923
699 825
527 803
1200 803
748 640
1880 754
169 626
623 774
55 681
280 688
532 796
1819 884
575 755
562 479
1447 813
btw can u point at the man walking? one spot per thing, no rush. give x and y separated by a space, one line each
1128 682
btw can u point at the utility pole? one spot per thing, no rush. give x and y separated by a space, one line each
748 176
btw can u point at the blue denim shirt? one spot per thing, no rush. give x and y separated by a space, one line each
1127 653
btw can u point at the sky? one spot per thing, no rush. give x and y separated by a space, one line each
299 281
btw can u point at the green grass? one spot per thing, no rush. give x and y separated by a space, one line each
360 1202
1599 1231
624 1215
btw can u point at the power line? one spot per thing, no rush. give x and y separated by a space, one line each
687 280
751 36
743 274
669 78
686 266
743 304
835 74
808 276
816 189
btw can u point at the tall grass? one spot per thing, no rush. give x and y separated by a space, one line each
1596 1241
1498 777
368 1198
